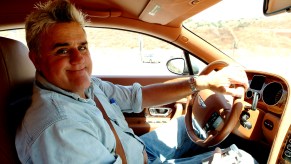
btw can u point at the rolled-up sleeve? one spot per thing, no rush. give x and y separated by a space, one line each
136 98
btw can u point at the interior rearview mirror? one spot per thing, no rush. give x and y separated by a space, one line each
272 7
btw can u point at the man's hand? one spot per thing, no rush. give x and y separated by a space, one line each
231 80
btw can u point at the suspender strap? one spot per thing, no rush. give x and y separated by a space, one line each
119 148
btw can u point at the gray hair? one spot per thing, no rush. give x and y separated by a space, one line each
46 15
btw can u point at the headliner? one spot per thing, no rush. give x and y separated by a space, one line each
164 12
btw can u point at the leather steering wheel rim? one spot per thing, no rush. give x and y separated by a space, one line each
214 137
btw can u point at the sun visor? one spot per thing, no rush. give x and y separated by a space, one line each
103 14
165 11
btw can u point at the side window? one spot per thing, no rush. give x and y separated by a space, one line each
117 52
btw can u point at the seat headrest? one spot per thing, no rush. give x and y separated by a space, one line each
15 64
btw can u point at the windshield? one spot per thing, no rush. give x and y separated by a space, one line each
240 30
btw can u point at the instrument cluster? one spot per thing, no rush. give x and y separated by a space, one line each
267 92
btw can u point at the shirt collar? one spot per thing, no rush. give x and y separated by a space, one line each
44 84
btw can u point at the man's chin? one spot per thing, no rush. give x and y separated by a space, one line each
85 84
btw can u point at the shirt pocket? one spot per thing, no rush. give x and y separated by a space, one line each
118 118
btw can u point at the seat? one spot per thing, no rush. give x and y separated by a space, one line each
17 73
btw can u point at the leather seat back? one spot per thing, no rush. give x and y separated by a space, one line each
17 73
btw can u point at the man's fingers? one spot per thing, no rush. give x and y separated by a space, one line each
236 92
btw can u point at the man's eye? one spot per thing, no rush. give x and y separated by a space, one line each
82 48
62 51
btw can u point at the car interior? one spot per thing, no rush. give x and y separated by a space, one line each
261 127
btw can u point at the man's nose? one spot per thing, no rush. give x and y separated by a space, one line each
76 57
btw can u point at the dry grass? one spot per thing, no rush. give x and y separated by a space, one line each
260 44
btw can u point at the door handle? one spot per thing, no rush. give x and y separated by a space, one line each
160 111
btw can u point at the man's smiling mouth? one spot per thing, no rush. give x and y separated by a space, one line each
77 70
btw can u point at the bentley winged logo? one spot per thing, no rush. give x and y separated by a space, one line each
201 102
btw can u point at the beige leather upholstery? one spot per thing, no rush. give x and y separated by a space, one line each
16 73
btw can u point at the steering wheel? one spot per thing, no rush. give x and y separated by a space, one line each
215 113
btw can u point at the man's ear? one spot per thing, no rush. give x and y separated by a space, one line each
34 58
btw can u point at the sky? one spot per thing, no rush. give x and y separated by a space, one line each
229 9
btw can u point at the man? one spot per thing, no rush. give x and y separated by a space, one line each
64 124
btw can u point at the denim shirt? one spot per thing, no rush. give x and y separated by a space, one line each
62 127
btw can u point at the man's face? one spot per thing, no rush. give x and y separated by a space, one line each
65 59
